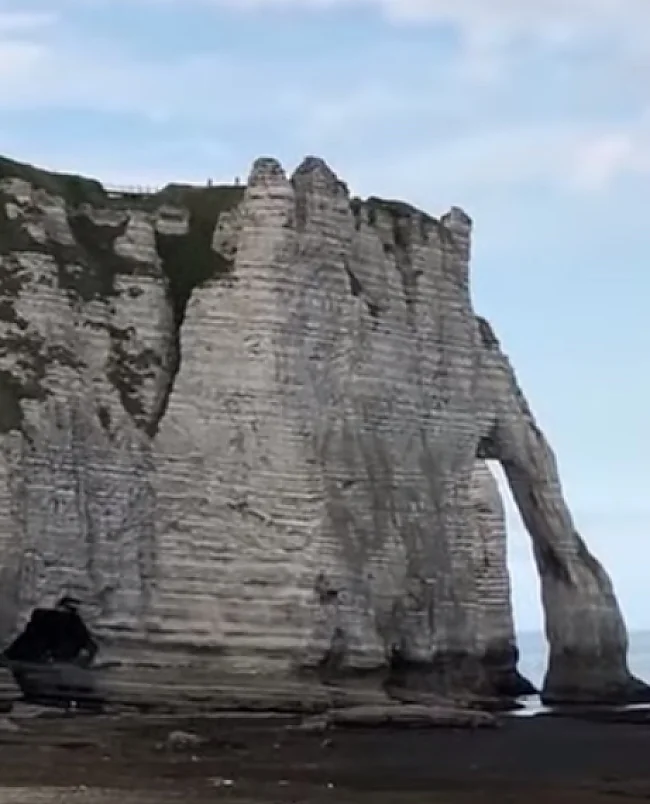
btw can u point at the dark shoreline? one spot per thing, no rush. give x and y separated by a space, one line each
566 757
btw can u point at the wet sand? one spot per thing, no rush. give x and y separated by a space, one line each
134 760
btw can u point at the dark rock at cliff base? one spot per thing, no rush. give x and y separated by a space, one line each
51 659
503 676
403 716
594 685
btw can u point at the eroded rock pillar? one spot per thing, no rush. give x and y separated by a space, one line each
584 626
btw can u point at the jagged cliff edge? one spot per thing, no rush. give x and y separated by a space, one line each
247 427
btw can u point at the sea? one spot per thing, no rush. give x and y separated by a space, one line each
533 654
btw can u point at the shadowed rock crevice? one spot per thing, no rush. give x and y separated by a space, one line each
505 680
448 674
88 271
51 657
189 261
357 290
54 635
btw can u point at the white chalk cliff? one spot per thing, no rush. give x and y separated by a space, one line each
247 428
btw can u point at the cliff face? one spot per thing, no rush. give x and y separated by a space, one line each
247 429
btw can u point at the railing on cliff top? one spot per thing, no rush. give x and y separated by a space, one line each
144 190
135 189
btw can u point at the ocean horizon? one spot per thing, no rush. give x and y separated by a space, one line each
533 655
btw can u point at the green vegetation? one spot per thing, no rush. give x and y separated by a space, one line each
12 392
402 216
90 273
397 209
75 189
356 205
88 269
189 260
128 372
31 355
29 351
78 190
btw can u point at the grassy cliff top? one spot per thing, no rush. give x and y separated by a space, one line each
187 260
88 270
77 190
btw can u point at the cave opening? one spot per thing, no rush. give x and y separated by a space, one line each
51 658
524 587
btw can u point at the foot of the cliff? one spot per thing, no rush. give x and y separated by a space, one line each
459 677
500 662
633 691
394 715
513 685
449 673
462 698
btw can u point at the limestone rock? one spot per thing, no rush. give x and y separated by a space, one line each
179 740
407 716
584 626
246 427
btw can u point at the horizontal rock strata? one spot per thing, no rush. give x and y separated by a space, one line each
407 716
247 429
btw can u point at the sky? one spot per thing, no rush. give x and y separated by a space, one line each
533 115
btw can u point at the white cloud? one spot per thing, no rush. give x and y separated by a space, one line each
470 145
578 156
20 49
497 21
12 22
603 159
555 21
98 77
491 31
18 57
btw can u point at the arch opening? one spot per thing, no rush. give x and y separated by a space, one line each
525 590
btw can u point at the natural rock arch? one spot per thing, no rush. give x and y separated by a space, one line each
307 402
